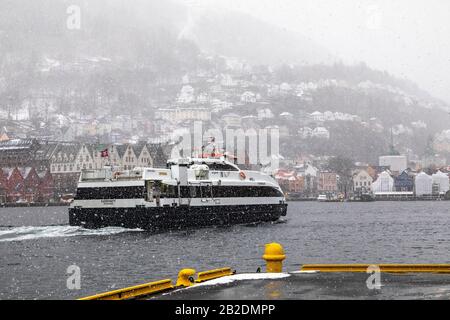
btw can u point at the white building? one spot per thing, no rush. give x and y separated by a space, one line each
442 181
232 120
329 116
305 132
182 114
321 132
423 184
362 181
395 163
307 170
186 95
226 80
203 98
84 159
384 183
248 97
287 115
317 116
285 88
265 114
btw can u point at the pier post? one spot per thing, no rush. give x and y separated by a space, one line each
274 256
185 278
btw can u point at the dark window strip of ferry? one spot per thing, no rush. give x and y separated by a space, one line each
109 193
220 167
168 191
228 192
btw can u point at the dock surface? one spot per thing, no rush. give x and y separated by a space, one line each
318 286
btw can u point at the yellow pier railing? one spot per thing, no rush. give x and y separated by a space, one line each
388 268
213 274
134 292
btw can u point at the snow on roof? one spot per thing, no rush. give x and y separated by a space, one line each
440 174
393 193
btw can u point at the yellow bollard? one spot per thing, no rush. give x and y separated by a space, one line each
183 277
274 256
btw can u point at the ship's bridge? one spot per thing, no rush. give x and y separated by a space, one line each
214 164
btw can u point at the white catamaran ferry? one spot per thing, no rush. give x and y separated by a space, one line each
190 192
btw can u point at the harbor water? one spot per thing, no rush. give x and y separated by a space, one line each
37 246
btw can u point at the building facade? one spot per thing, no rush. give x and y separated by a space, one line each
362 181
404 182
327 182
423 184
440 182
384 183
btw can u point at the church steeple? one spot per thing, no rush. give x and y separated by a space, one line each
392 150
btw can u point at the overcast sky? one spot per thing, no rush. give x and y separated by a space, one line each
408 38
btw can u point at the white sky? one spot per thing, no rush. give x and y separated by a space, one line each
408 38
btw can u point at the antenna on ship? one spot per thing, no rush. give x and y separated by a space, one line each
213 141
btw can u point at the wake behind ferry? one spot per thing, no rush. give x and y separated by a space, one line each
190 192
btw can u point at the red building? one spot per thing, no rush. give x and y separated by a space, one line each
31 185
3 186
46 187
289 181
15 186
327 182
25 185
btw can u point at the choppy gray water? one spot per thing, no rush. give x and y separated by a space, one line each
37 246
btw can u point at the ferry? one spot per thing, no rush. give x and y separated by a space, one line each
190 192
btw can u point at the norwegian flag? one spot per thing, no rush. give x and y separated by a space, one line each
104 153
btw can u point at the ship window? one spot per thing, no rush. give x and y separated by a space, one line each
206 191
193 191
110 193
229 191
169 191
221 167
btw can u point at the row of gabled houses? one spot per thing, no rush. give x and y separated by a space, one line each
309 180
408 181
23 160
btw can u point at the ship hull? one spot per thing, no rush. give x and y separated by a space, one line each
174 218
